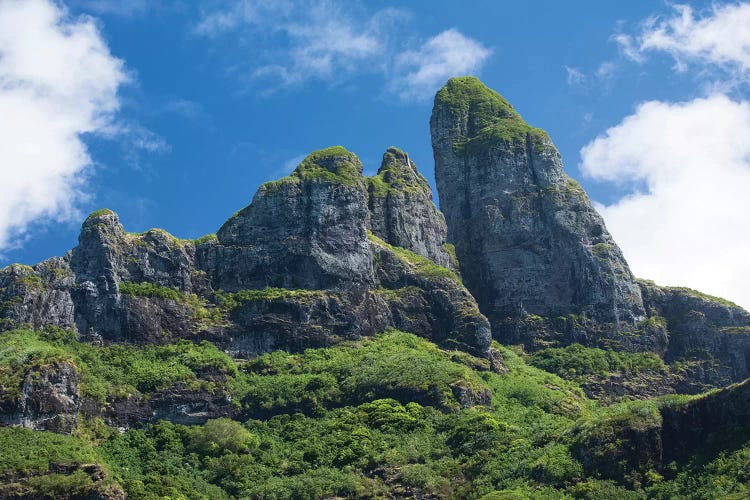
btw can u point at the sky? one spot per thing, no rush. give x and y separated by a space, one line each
172 113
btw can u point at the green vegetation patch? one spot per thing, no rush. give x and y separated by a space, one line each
576 360
208 238
700 295
150 290
375 418
393 178
491 118
335 165
450 249
203 314
230 301
394 365
23 450
100 212
422 266
111 371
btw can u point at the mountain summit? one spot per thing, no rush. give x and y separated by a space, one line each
528 239
341 337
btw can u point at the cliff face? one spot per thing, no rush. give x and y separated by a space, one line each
129 329
710 336
527 237
296 268
402 212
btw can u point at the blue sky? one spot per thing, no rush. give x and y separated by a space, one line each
173 113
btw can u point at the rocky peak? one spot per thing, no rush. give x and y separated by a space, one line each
397 171
528 239
307 230
101 238
402 212
334 165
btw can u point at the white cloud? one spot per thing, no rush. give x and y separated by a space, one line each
58 81
242 12
689 225
721 37
574 76
422 71
329 41
314 39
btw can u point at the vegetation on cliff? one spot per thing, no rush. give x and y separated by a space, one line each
387 416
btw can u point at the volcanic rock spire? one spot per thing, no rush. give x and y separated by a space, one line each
528 239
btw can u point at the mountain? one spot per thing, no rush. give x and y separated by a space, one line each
341 337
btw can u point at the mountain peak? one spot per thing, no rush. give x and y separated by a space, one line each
481 115
333 164
527 236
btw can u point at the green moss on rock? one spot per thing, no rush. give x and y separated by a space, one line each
99 213
334 164
422 266
229 301
492 119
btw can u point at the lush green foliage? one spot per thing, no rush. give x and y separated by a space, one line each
374 418
576 360
393 365
229 301
25 450
334 165
111 371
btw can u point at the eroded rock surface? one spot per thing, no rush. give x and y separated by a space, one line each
527 237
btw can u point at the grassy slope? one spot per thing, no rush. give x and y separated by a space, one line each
373 418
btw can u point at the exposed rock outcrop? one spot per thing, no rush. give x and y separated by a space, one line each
294 269
402 212
629 443
48 399
305 231
527 237
714 421
710 336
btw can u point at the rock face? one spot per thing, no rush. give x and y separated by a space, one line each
307 230
48 399
709 335
402 212
718 419
297 268
649 438
527 237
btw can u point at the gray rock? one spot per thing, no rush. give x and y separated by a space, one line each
401 209
709 335
527 237
307 230
37 296
49 399
296 267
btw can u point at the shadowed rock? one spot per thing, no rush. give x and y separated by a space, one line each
527 237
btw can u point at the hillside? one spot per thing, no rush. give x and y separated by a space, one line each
343 337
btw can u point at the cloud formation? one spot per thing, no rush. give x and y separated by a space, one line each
294 41
58 81
421 71
720 37
688 169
